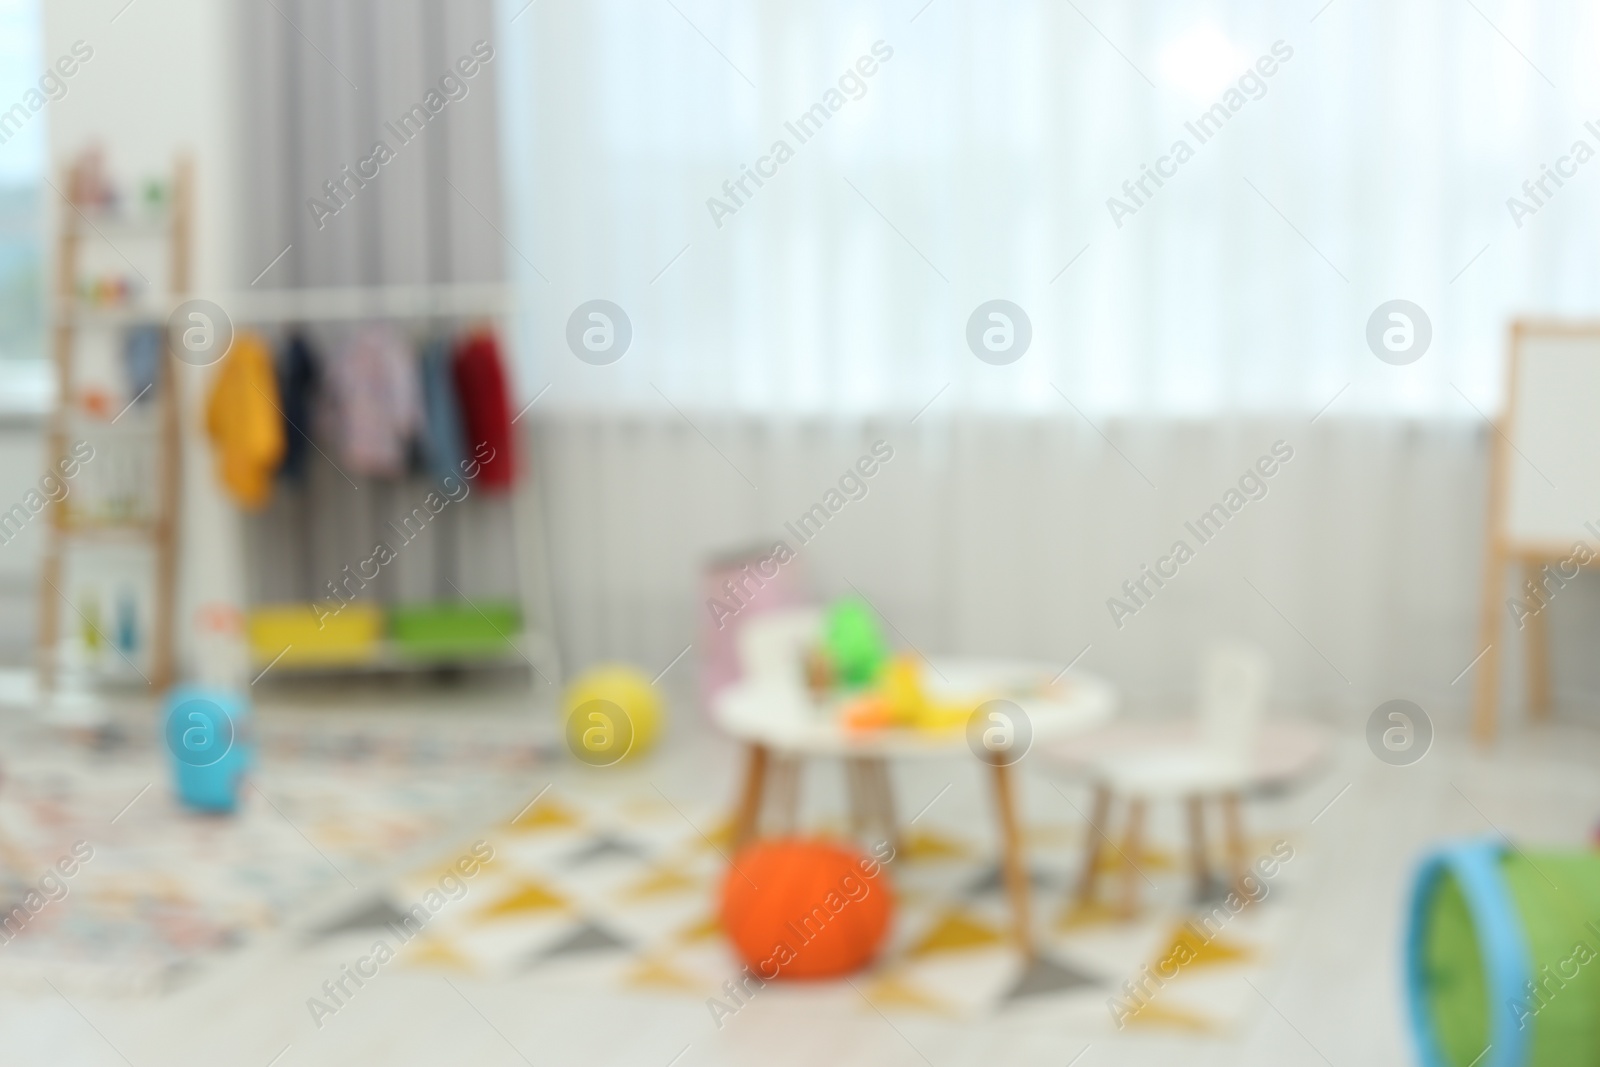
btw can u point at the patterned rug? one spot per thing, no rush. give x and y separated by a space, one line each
617 894
163 889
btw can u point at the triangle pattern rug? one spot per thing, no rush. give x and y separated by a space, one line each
598 894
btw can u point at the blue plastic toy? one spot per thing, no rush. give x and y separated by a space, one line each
208 733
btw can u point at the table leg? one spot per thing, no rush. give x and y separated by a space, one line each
1234 829
1197 847
1094 841
1132 846
877 775
748 815
786 793
1013 863
861 814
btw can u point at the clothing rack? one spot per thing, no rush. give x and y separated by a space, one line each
326 304
262 307
535 644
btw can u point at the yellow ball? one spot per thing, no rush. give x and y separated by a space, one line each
611 713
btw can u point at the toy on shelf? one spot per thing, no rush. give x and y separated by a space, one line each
1502 957
89 613
94 190
110 290
143 346
127 623
96 402
109 624
155 196
89 186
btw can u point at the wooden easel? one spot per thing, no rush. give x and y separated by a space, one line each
1539 498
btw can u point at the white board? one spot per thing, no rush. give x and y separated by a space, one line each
1552 469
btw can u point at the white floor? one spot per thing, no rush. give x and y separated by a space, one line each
1333 996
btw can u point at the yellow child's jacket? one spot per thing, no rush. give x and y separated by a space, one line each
244 423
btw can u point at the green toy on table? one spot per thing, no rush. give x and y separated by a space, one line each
853 646
883 690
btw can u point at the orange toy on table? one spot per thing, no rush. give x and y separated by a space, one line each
868 712
900 699
800 908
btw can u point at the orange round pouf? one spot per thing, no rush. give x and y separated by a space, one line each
815 910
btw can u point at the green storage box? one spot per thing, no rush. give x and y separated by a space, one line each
447 631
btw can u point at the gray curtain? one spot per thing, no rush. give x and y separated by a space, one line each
324 83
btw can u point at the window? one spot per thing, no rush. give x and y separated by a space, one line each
22 163
1333 165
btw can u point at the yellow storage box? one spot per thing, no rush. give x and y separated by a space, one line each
354 635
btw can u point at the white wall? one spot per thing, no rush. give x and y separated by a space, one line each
162 81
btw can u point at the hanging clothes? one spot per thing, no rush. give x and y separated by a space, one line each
298 378
485 398
243 421
378 402
442 409
142 349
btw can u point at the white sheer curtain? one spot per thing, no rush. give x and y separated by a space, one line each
1373 164
1002 535
977 164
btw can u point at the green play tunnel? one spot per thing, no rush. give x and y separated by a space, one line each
1503 957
